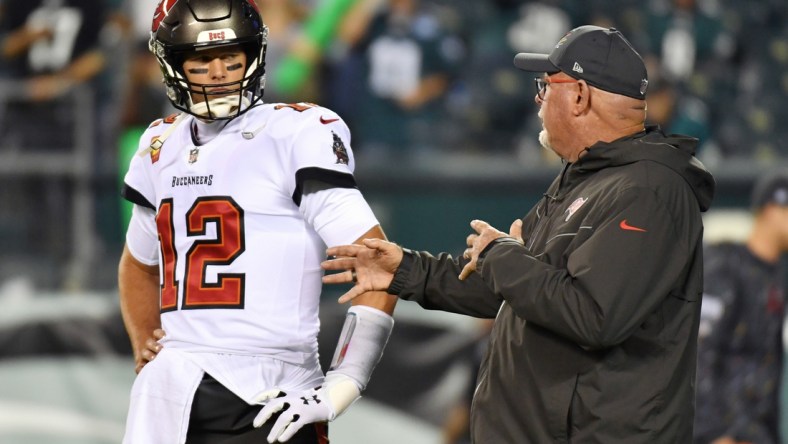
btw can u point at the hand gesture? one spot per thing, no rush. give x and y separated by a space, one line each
298 409
478 241
370 266
149 349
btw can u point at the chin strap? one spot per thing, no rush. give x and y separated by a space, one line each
364 336
221 107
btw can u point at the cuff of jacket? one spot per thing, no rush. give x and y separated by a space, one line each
401 275
490 246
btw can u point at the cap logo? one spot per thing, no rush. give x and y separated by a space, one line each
563 39
577 68
643 87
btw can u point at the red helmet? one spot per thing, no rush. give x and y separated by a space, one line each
183 26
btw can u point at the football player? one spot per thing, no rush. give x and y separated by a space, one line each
235 201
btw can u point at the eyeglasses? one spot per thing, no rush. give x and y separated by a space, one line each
542 82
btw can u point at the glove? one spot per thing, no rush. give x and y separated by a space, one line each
298 409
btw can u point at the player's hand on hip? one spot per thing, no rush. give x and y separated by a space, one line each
150 348
370 266
477 242
297 409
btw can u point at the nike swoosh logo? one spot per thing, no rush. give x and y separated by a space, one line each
625 226
325 121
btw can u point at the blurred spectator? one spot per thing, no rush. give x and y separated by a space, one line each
686 34
50 46
144 96
52 55
740 340
760 79
689 51
394 82
285 19
496 103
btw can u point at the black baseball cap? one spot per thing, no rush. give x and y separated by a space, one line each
602 57
771 189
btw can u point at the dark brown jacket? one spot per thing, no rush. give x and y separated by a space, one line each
597 315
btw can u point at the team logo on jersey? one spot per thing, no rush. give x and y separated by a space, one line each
339 150
193 154
574 206
154 152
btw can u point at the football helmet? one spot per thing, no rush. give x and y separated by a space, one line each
183 26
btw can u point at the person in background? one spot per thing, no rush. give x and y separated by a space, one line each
53 59
740 353
596 292
395 80
234 203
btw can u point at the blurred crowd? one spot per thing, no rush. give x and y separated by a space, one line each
414 79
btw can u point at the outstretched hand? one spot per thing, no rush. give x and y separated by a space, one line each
477 242
370 266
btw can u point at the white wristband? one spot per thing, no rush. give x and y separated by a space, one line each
340 391
361 343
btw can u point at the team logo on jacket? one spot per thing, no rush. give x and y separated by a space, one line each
339 150
574 206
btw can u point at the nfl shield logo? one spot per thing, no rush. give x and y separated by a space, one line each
193 155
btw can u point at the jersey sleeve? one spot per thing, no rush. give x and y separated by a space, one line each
142 237
339 215
321 161
137 183
321 152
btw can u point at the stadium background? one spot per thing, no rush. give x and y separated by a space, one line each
719 71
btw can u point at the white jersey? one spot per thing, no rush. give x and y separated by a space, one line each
238 240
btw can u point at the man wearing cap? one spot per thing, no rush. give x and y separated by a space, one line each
596 291
741 347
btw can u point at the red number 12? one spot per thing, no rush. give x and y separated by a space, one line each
228 291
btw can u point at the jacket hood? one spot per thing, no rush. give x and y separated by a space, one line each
674 151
